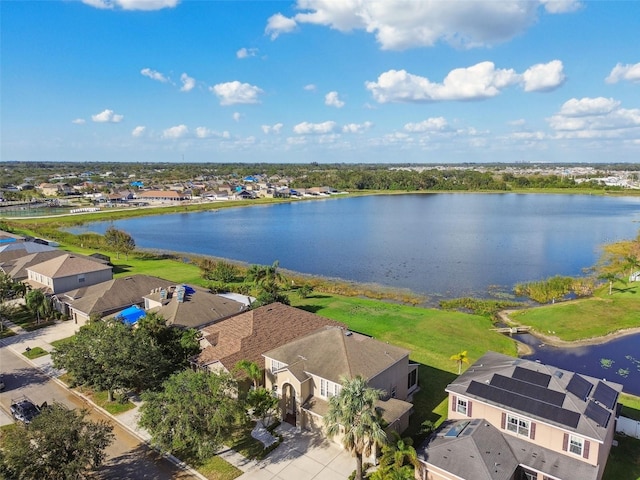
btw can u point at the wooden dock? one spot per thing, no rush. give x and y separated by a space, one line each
513 330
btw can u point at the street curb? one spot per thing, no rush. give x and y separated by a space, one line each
176 461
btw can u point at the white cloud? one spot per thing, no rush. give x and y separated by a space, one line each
402 24
246 52
544 77
277 24
624 72
107 116
78 121
147 5
310 88
476 82
231 93
272 128
204 132
138 131
333 100
596 118
236 116
187 83
356 127
588 106
517 123
154 75
306 128
435 124
178 131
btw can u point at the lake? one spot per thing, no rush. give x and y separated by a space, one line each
437 245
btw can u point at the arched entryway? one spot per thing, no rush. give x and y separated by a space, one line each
289 401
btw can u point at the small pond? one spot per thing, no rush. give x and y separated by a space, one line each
617 360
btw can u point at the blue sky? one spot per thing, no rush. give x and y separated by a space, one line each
320 81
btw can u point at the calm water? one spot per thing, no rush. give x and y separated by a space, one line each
617 360
441 245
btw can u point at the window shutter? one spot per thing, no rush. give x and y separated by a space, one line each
585 450
503 423
454 404
469 404
533 431
565 442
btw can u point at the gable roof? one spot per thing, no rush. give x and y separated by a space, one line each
332 352
476 450
199 307
542 392
67 265
11 251
248 335
112 294
17 267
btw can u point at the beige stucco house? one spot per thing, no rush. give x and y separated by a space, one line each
515 419
67 272
306 372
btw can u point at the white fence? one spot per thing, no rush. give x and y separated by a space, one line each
628 427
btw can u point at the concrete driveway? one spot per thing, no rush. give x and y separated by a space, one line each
300 456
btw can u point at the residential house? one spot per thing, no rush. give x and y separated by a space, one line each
55 189
308 371
248 335
66 272
15 263
108 297
191 307
163 195
515 419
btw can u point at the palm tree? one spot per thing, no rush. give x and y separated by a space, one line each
633 264
399 452
460 358
39 304
611 278
352 413
251 370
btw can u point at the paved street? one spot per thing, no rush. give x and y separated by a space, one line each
128 457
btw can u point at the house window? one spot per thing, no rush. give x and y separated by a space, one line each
329 389
393 392
518 425
412 380
276 365
81 278
323 387
461 406
529 475
576 445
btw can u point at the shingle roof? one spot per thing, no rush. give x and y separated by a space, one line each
17 268
67 265
113 294
248 335
333 352
198 309
476 450
495 379
12 251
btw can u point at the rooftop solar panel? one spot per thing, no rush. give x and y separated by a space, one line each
528 390
606 395
524 404
598 414
531 376
580 386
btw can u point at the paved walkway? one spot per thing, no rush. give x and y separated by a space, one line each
301 455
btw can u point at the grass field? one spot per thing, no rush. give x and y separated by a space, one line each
587 318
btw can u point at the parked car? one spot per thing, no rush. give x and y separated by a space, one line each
24 410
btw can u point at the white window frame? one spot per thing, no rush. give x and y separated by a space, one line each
329 389
276 365
519 426
576 445
462 406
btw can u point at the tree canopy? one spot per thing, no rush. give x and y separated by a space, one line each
194 413
59 443
353 411
119 241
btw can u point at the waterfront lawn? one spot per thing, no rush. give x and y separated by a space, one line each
586 318
432 336
624 460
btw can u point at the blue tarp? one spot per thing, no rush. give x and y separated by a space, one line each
131 315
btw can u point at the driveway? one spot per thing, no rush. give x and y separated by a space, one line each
300 456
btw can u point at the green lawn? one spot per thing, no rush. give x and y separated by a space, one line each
586 318
624 460
62 341
431 336
35 353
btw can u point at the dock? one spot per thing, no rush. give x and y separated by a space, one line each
513 330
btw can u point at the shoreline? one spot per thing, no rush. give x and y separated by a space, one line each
558 342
